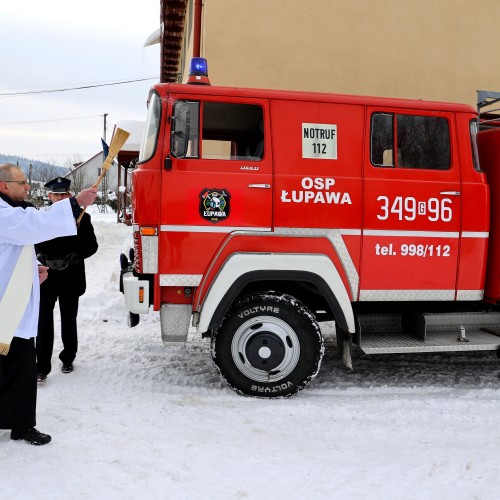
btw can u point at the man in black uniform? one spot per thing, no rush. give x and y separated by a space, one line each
66 283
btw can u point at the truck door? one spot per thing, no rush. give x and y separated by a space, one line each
412 212
217 180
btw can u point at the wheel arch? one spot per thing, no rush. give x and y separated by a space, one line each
242 270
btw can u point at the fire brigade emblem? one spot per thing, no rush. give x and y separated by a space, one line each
214 205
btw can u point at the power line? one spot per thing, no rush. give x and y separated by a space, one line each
54 85
83 87
53 120
35 156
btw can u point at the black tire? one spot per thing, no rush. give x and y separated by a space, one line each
268 346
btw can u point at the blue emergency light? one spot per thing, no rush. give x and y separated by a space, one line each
198 71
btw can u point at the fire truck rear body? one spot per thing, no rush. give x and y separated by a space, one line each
371 212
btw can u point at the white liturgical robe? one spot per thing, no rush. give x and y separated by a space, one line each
19 227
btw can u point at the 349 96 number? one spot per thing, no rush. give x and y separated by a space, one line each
408 208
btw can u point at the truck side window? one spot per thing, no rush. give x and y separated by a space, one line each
421 141
232 131
382 142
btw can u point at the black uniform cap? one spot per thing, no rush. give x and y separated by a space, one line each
59 185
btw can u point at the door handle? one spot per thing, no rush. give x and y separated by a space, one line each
260 186
451 193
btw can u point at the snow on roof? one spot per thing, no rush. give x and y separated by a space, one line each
153 38
135 128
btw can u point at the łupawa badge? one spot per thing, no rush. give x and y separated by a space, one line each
214 205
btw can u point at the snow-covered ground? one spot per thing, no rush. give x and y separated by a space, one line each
138 420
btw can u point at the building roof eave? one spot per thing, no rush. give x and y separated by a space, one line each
173 18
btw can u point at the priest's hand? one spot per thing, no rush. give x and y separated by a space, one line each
43 273
86 197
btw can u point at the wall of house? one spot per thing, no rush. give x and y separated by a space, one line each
425 49
87 174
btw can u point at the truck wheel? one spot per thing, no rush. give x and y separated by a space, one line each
268 346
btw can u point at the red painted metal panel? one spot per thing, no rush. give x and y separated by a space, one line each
489 154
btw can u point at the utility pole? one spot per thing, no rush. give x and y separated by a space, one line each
104 133
104 189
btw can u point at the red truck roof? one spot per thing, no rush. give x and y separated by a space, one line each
163 89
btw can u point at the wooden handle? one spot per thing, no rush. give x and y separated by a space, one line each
119 138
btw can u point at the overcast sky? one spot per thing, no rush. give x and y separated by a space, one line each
59 44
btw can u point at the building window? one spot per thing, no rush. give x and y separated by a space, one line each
421 142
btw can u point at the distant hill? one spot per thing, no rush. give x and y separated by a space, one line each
40 171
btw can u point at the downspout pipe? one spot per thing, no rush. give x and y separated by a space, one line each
198 7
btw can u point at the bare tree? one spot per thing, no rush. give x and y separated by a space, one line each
37 193
78 181
38 176
72 161
46 173
76 176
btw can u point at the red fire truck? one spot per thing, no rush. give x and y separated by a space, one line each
258 214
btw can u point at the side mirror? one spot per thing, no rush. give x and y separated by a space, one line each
179 136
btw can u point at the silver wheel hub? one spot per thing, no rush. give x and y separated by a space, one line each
265 349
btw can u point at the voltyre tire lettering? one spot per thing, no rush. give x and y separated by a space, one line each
269 346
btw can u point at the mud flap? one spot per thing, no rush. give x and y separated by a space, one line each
133 319
344 346
346 351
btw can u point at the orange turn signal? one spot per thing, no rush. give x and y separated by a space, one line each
148 231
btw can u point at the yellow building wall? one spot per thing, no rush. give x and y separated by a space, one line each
425 49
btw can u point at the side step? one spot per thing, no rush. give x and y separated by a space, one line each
421 332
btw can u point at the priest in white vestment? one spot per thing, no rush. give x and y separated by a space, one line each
21 226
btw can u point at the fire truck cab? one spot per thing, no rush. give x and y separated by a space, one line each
258 214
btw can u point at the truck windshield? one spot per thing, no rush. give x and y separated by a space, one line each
151 128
